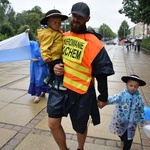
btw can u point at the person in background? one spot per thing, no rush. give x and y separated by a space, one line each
51 42
38 72
129 111
138 45
85 58
127 46
135 45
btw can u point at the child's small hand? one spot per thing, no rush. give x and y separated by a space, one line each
101 104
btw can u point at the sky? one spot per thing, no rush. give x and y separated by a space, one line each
101 11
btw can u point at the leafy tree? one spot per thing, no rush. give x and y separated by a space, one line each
37 10
123 30
10 22
6 29
4 7
137 10
12 19
23 28
30 18
3 37
106 32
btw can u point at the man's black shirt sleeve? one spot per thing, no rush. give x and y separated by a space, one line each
101 68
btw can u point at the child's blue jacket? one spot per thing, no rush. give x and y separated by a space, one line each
128 112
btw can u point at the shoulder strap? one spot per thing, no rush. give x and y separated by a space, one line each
98 35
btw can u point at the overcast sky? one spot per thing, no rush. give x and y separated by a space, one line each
102 11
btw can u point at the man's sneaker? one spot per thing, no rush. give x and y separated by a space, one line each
58 85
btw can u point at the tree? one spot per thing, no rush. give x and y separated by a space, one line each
137 10
31 18
24 28
4 7
6 29
123 30
106 32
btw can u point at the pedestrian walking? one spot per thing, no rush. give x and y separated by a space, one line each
138 45
135 45
129 111
38 72
85 58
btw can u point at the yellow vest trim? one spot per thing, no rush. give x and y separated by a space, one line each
78 74
75 84
76 66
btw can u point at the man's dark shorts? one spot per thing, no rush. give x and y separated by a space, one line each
81 106
57 105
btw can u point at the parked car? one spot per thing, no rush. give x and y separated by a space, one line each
111 42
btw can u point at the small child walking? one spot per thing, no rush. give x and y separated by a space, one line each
51 43
128 112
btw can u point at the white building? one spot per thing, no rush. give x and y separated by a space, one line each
140 30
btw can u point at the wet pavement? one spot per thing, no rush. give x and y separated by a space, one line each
23 124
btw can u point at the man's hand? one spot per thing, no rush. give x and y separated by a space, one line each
101 104
59 69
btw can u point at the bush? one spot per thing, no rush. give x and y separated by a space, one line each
3 37
6 29
146 43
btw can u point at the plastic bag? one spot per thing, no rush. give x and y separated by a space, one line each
146 129
147 113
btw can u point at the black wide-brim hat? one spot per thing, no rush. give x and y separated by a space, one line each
54 13
135 78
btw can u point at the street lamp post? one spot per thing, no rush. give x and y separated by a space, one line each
124 33
143 30
64 25
104 30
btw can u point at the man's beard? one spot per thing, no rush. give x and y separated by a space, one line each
78 28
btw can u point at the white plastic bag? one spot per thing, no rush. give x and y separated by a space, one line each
146 129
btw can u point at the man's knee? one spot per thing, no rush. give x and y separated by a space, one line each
54 123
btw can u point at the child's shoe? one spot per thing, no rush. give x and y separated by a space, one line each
46 80
42 94
50 84
36 100
61 87
58 85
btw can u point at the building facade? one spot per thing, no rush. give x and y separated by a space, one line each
140 31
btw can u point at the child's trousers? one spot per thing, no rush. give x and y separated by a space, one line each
126 143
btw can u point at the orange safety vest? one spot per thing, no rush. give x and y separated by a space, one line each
79 51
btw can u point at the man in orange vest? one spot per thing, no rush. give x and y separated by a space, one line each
84 58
